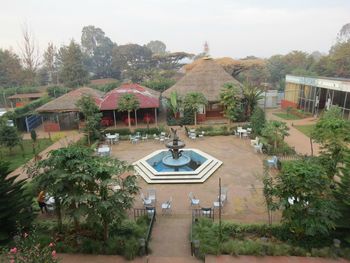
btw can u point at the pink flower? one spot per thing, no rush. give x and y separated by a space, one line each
53 253
13 250
12 261
51 244
25 235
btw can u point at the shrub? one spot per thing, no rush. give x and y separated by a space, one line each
121 131
257 121
215 130
150 130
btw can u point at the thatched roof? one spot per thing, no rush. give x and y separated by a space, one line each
67 102
207 77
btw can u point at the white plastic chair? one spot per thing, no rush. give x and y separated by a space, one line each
194 201
151 195
258 148
272 162
146 201
254 142
145 137
201 135
166 207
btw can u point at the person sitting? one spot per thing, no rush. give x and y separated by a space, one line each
41 202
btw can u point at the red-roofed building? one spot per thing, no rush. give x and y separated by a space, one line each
149 101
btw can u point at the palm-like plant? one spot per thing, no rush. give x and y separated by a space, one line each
128 102
174 103
193 101
231 100
274 132
252 96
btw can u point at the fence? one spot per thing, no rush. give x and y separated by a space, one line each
32 121
151 213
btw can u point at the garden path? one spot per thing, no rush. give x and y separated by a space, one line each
296 138
70 137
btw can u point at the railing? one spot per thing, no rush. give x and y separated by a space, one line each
151 213
196 214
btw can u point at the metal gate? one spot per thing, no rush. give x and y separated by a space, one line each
33 121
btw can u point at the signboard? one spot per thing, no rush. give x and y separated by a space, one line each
332 84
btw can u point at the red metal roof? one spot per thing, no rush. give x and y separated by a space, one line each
146 97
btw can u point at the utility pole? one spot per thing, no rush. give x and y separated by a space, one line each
220 232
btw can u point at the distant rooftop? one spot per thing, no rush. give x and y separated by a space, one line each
28 95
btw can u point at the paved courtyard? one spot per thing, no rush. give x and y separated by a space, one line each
240 172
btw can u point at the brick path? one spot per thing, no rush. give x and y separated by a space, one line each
296 138
70 137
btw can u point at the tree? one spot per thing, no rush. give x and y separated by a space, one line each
344 33
9 137
303 189
30 55
193 101
71 71
333 133
15 204
159 83
274 132
156 46
230 98
342 193
11 72
85 185
92 115
50 63
174 103
252 95
132 61
33 136
98 50
257 121
128 102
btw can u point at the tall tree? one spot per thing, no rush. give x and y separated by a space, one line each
132 61
156 46
344 33
230 98
258 121
72 72
14 205
11 72
98 50
30 55
50 63
193 101
128 102
92 115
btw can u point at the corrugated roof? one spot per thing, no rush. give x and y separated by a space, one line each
147 97
28 95
67 102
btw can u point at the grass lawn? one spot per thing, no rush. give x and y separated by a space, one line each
287 116
18 157
306 129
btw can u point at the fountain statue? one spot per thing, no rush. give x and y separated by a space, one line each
176 159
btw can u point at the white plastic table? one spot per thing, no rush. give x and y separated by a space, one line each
241 131
103 151
112 138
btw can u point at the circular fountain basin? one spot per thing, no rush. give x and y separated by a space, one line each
181 161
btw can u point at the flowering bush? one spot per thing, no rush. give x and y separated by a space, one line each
27 249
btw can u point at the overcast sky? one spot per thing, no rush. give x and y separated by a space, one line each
232 28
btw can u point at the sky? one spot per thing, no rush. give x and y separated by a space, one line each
232 28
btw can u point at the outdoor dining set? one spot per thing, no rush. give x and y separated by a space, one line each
149 201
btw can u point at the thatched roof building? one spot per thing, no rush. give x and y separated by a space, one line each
207 77
67 102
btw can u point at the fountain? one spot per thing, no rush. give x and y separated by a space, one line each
176 165
176 159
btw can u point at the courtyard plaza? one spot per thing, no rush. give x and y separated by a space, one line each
240 172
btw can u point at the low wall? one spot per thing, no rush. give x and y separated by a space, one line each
286 103
51 127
